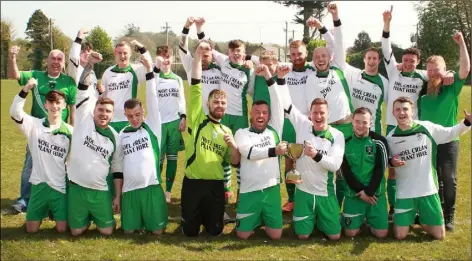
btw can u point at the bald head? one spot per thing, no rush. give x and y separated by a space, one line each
56 60
321 58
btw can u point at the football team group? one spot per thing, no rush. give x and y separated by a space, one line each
351 171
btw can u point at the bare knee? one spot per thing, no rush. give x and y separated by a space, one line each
351 232
334 237
106 231
380 233
158 232
274 234
303 237
401 234
32 226
77 232
244 235
61 226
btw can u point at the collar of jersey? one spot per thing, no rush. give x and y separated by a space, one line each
121 70
235 65
408 74
212 120
169 75
400 131
321 134
322 74
61 130
252 129
130 128
212 66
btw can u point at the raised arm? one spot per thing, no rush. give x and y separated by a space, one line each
182 106
85 102
184 53
195 104
152 101
74 55
464 61
13 72
276 109
139 68
444 135
24 121
387 52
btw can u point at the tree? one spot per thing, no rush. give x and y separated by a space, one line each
312 45
306 10
438 20
130 29
6 38
101 42
37 32
60 40
361 43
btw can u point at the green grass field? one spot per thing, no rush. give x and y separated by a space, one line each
48 245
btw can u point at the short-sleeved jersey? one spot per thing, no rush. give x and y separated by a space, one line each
417 147
49 148
442 109
63 83
122 84
368 91
170 92
206 149
140 146
95 152
332 87
260 166
401 83
235 82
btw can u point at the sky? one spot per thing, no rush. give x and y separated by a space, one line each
254 21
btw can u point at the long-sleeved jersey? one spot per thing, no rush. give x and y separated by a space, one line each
318 172
417 147
211 77
140 146
235 82
368 91
260 166
122 84
95 152
74 69
400 83
364 163
49 148
171 95
206 150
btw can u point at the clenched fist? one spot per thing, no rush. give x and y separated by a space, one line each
263 70
281 149
458 38
14 50
94 58
32 82
82 32
229 139
333 10
189 22
282 71
314 22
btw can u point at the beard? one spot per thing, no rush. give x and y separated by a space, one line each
434 85
215 116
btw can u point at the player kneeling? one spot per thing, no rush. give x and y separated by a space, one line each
143 204
260 148
49 142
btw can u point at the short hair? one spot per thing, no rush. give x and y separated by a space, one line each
260 102
413 51
403 99
216 92
372 49
233 44
297 43
163 50
132 103
122 44
209 42
105 100
55 96
87 46
267 54
318 101
437 59
362 110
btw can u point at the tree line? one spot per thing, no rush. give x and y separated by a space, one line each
437 22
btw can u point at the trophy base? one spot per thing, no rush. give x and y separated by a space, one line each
293 176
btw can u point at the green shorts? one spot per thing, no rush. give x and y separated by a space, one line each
389 129
256 206
311 210
429 210
119 125
288 133
345 128
172 141
44 198
144 208
85 203
355 210
235 122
